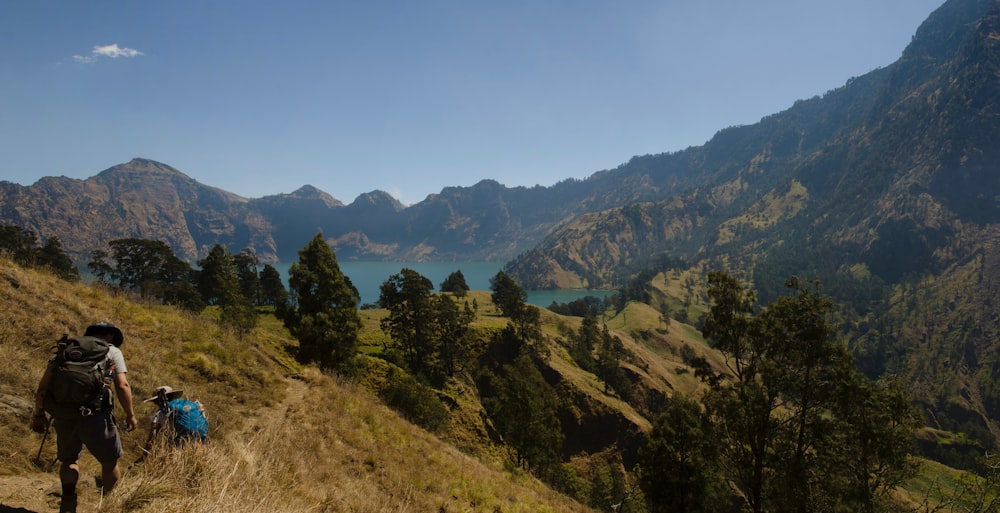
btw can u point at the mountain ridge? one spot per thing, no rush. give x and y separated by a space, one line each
896 213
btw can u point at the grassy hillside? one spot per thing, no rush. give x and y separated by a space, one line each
284 438
290 438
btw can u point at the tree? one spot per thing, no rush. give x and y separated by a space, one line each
509 297
804 364
430 329
22 247
323 315
677 461
872 439
272 288
792 437
146 265
591 306
410 323
238 313
246 263
19 243
100 267
217 280
727 325
455 283
453 329
523 407
150 268
219 284
53 257
742 412
609 355
583 344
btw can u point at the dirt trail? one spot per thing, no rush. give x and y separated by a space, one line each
295 394
38 492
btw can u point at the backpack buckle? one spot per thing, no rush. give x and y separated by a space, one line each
86 412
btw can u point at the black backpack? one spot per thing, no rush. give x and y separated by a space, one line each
78 387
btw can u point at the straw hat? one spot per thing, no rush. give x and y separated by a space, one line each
167 392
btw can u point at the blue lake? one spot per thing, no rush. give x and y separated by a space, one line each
369 276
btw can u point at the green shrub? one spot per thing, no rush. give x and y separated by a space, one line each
415 401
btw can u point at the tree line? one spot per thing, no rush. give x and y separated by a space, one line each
236 284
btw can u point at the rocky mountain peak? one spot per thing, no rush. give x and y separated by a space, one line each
308 192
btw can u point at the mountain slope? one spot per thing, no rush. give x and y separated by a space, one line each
913 152
896 212
283 437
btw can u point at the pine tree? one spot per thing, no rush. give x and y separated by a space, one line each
678 461
323 314
217 279
272 288
410 323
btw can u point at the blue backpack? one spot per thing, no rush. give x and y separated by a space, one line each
188 419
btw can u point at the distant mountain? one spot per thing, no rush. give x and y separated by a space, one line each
151 200
143 199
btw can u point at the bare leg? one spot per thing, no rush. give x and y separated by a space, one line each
110 474
69 474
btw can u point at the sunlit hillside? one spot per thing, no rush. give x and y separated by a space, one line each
284 437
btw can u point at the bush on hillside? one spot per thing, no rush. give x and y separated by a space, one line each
414 400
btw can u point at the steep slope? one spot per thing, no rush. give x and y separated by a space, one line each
895 213
913 153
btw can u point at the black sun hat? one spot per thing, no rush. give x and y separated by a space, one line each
104 327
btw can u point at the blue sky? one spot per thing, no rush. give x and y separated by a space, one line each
263 97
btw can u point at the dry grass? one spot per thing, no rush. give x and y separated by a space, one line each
305 443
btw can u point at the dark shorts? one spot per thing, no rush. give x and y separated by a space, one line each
97 432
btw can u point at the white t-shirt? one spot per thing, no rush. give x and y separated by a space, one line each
117 360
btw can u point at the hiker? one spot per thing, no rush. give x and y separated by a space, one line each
90 422
185 418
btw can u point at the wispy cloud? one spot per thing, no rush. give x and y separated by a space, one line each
112 51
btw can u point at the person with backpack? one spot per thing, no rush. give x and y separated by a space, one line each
75 391
185 418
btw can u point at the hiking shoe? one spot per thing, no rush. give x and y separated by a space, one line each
67 504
